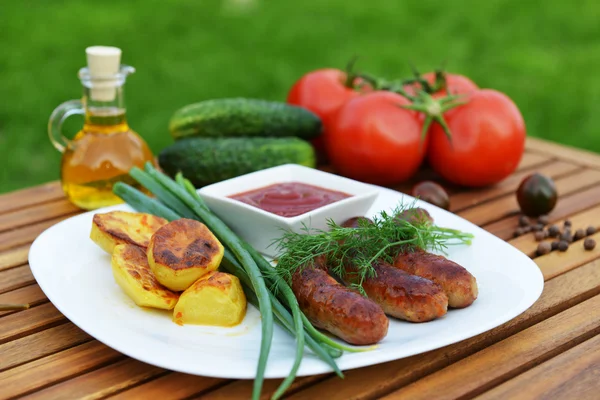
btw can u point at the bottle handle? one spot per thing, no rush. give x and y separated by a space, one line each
58 117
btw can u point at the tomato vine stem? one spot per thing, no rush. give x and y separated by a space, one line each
421 100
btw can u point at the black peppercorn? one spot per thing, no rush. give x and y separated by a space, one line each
526 229
553 231
589 244
563 245
590 230
537 227
523 220
544 248
544 220
566 236
579 234
540 235
518 232
567 223
554 245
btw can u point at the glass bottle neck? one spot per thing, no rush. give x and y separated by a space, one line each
104 113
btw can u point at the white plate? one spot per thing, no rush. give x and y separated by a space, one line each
76 276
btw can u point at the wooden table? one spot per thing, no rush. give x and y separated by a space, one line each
550 351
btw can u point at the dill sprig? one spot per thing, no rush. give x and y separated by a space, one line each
358 248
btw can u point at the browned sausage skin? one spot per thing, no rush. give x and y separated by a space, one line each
458 284
402 295
336 308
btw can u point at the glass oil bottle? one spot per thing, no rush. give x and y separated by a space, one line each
106 148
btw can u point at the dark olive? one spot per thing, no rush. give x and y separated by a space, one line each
537 195
433 193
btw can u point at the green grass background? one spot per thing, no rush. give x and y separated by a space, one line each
544 55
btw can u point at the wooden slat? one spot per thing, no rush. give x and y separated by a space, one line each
24 323
507 205
571 375
101 382
14 257
470 198
55 368
243 389
559 294
16 278
533 159
171 386
475 374
26 235
40 344
562 151
37 213
31 295
566 206
30 196
528 245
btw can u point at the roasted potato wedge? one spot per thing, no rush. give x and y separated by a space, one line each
119 227
182 251
132 273
215 299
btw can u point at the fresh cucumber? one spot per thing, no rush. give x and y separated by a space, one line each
237 117
208 160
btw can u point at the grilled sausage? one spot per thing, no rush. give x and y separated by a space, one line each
354 222
458 284
415 215
336 308
402 295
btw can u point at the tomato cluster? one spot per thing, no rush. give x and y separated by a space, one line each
374 136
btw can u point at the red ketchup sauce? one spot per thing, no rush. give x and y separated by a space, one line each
289 199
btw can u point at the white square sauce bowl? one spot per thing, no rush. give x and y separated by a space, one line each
260 228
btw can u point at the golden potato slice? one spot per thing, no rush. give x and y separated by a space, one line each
132 273
118 227
216 299
182 251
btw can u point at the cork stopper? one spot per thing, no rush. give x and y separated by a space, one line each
103 65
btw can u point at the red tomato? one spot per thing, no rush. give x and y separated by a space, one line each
488 140
372 139
458 84
322 92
